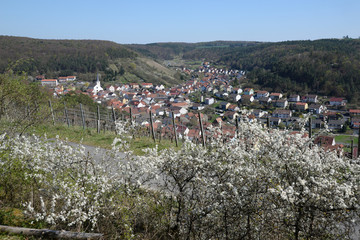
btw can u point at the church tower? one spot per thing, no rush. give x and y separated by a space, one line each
95 87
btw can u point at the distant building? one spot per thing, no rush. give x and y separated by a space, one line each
301 106
66 79
146 85
337 101
248 91
260 94
276 96
49 82
294 98
95 87
317 108
310 98
40 77
209 101
282 113
354 112
281 103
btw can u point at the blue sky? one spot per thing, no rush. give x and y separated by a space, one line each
140 21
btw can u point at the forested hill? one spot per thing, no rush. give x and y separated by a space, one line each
189 51
59 55
83 58
328 66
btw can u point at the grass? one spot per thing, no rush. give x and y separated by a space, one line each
138 144
76 134
346 139
90 137
11 237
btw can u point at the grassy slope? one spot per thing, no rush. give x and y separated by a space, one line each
92 138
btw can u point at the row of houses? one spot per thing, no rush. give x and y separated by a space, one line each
277 99
54 82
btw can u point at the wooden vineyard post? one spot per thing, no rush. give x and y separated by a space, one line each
174 128
82 116
52 112
152 127
202 130
237 126
113 114
131 117
98 119
66 115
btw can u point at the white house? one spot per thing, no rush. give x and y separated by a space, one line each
337 101
260 94
234 97
247 98
294 98
282 113
71 78
111 88
317 108
248 91
209 101
281 103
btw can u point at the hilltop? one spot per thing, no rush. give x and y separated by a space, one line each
82 58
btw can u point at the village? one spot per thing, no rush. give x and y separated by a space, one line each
220 104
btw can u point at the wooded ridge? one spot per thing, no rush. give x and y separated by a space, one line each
326 67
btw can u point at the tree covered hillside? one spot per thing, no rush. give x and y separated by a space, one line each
37 55
189 51
328 67
82 58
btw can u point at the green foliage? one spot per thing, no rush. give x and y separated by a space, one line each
138 144
14 187
73 100
189 51
65 56
328 67
75 134
22 103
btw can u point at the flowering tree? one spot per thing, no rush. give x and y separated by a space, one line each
260 184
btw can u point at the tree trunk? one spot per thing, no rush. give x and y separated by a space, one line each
46 233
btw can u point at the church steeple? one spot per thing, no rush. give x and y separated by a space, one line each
98 79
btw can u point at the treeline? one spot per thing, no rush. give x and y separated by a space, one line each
188 51
37 56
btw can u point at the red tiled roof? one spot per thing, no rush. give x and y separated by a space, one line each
354 111
324 140
336 99
49 80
